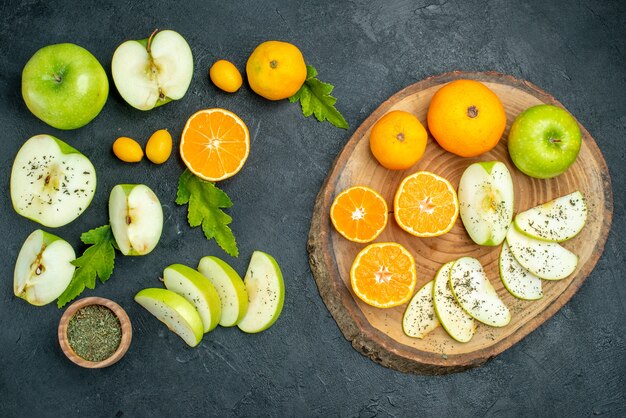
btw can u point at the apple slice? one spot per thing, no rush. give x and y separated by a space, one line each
557 220
175 311
486 202
474 292
230 288
420 317
198 290
51 182
516 279
266 293
154 71
457 323
546 260
43 268
136 218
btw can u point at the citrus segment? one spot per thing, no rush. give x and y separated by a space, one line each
426 205
383 275
215 144
359 214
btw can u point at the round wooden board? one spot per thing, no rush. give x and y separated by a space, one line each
377 333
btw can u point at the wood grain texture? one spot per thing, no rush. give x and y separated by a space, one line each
377 333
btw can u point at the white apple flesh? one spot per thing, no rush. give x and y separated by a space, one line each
557 220
51 182
486 200
230 288
457 323
516 279
136 218
198 290
43 269
266 293
420 318
151 73
546 260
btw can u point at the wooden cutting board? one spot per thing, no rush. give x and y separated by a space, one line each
377 333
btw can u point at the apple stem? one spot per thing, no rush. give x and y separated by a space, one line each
150 40
555 140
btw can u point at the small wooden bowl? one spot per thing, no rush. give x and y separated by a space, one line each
127 332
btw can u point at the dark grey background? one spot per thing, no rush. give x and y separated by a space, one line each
573 365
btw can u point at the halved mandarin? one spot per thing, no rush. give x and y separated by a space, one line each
359 214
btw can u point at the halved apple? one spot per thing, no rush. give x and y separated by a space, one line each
198 290
457 323
266 293
520 282
557 220
180 316
136 218
475 293
43 268
546 260
419 317
51 182
230 288
486 202
154 71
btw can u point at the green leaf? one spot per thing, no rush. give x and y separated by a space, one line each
97 260
315 99
205 203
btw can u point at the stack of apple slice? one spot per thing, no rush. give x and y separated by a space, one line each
196 301
532 251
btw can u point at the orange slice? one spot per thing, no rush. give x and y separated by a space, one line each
425 205
215 144
359 214
383 275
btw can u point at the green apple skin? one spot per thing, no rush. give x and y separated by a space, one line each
64 85
544 141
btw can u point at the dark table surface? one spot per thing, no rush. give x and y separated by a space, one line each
573 365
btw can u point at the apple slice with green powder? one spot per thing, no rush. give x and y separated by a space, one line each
198 290
520 282
230 288
546 260
475 293
266 293
51 182
457 323
136 218
180 316
154 71
43 268
557 220
420 318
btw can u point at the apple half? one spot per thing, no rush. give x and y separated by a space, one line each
419 317
180 316
230 288
457 323
486 202
266 293
557 220
546 260
198 290
136 218
520 282
43 269
51 182
154 71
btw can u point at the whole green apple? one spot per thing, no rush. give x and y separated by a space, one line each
544 141
64 86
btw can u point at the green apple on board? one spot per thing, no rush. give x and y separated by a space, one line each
419 317
51 182
43 268
486 199
136 218
520 282
152 72
457 323
544 141
64 85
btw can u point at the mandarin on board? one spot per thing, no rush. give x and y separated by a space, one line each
398 140
466 118
359 214
276 70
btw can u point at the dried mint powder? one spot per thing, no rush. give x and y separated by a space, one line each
94 332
